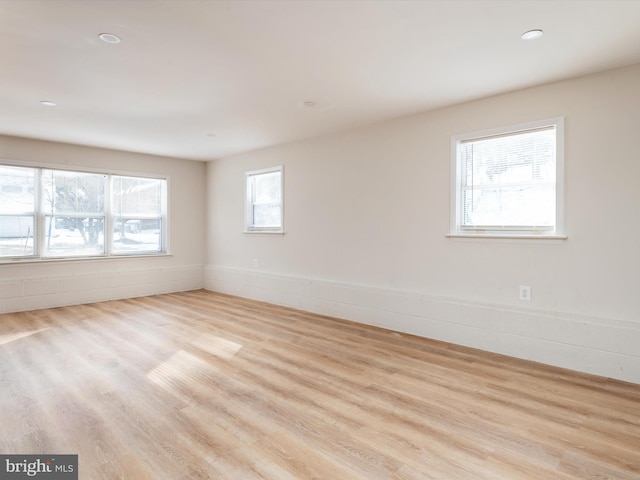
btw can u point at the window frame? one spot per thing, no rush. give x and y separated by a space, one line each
41 216
457 229
33 214
162 217
249 224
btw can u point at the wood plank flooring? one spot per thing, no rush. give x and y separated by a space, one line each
198 385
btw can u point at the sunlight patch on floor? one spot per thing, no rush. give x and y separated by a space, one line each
10 337
218 346
180 369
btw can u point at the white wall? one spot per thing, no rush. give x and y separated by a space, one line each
28 286
366 213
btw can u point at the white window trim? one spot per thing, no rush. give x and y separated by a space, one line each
248 214
37 256
163 217
558 233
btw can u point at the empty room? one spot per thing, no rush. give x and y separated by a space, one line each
304 239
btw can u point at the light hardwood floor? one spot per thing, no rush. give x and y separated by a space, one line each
199 385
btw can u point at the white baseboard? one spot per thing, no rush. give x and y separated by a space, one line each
599 346
34 293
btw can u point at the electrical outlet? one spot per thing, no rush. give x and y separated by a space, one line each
255 263
525 293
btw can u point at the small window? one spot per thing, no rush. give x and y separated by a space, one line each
508 182
264 201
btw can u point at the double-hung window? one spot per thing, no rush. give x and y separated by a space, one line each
48 213
73 207
508 182
263 206
138 209
17 211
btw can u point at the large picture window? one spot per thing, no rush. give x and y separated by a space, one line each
50 213
509 181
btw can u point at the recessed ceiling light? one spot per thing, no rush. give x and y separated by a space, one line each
314 103
532 34
47 103
109 38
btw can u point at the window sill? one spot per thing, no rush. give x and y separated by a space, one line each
264 232
35 260
506 236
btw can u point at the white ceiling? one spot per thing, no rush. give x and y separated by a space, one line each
241 69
